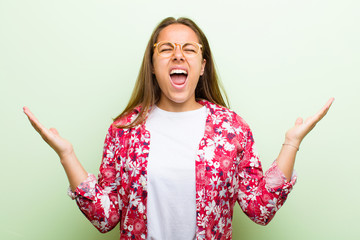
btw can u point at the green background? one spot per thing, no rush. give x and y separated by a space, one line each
74 64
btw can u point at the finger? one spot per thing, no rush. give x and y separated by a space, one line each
330 101
320 114
34 121
311 122
53 130
299 121
327 105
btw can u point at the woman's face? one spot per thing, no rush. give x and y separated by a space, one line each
177 75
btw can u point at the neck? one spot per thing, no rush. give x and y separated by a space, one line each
178 107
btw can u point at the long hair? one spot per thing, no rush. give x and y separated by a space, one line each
147 91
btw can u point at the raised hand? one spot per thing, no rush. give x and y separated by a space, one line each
74 170
293 138
61 146
296 134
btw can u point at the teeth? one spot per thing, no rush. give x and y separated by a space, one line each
178 71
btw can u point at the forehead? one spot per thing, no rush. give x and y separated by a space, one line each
177 33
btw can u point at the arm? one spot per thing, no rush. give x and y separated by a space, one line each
98 201
260 196
294 137
73 168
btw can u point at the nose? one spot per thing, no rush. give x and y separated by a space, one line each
178 55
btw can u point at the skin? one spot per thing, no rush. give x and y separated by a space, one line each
294 137
176 100
75 172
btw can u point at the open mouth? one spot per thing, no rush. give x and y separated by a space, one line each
178 77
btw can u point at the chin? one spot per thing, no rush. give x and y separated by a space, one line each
179 100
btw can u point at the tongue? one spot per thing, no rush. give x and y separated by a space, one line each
178 79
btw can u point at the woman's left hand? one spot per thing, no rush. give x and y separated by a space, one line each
296 134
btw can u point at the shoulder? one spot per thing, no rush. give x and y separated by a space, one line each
115 130
224 114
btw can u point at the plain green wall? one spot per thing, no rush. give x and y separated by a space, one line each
74 64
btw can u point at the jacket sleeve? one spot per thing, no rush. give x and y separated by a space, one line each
260 196
98 199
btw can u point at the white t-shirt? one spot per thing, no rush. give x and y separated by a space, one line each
171 203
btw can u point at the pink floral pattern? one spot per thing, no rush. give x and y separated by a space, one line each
228 170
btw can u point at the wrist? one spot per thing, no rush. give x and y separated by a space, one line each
291 146
67 156
292 141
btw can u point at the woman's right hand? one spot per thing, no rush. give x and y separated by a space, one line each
61 146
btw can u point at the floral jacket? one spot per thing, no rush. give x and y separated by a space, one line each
227 170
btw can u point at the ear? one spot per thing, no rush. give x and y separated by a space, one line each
152 65
203 67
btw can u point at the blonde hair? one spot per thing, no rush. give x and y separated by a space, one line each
147 91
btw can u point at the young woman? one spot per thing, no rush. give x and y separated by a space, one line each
176 159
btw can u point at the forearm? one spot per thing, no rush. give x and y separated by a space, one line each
75 172
286 159
294 137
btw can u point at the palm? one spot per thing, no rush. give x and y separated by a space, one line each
301 128
51 136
